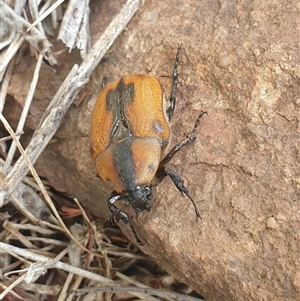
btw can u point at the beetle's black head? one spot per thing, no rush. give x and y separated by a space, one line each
140 198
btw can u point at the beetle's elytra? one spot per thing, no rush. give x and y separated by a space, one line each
129 133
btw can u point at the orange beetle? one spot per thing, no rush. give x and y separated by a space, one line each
129 132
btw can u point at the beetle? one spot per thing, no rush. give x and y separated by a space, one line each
129 133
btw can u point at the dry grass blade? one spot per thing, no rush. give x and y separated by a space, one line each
5 83
147 291
24 112
46 13
7 56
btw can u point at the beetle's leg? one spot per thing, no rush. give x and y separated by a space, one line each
125 218
117 214
171 108
183 143
162 172
179 183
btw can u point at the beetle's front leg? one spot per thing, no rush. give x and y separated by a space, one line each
115 211
117 214
179 183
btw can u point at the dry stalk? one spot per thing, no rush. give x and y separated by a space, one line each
45 13
10 138
5 84
25 110
6 56
146 291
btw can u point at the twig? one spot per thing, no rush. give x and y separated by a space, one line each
147 291
36 229
19 236
28 201
10 138
136 283
17 297
19 6
65 288
11 286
